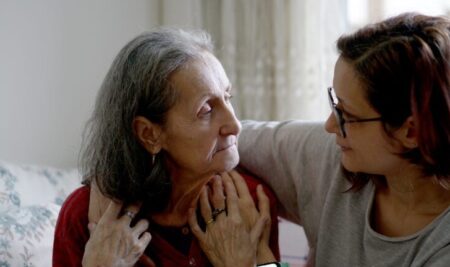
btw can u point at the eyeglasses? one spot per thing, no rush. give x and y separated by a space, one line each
338 112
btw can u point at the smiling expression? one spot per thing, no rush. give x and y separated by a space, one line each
366 148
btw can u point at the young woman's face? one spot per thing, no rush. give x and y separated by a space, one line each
200 135
366 147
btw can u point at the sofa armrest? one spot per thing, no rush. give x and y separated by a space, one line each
30 200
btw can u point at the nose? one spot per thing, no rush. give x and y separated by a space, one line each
231 125
331 125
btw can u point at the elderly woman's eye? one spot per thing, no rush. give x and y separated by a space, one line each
206 109
228 97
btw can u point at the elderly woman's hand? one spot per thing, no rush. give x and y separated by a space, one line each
97 204
230 239
114 242
250 214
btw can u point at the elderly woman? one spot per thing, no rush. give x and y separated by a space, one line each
162 129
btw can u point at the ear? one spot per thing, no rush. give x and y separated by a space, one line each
407 134
148 134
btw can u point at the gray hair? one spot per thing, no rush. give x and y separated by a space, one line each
136 85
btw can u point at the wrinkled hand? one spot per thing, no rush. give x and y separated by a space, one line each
250 214
227 241
113 242
98 204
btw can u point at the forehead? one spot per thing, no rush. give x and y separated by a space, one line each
199 76
344 75
348 87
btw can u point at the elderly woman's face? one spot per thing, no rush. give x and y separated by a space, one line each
200 135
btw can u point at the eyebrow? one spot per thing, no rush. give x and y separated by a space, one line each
228 88
344 106
202 96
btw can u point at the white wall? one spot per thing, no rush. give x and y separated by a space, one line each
53 57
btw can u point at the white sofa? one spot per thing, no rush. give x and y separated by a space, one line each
30 200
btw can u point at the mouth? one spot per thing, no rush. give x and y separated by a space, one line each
343 147
221 148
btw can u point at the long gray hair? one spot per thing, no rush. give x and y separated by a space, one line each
136 85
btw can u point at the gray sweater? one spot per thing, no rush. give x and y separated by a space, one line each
301 162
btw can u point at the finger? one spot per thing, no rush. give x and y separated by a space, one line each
232 197
264 210
195 228
258 229
97 203
129 212
144 240
205 208
91 227
146 261
217 195
140 227
241 185
112 212
263 201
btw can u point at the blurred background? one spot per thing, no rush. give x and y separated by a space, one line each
279 56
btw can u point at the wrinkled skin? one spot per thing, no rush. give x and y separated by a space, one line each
113 242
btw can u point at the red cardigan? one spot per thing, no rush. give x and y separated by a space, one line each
71 234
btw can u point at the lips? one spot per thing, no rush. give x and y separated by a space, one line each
225 147
227 144
343 147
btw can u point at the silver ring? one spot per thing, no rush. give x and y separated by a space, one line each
216 212
130 214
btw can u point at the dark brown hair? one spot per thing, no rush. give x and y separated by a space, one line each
404 64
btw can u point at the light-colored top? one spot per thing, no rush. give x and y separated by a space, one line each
301 162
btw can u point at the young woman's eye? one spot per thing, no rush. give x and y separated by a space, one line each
348 116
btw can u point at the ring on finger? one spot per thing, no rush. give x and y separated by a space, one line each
209 221
130 214
216 212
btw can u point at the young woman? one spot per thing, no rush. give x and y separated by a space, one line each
375 191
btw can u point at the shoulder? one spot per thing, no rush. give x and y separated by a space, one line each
78 201
71 232
253 182
74 211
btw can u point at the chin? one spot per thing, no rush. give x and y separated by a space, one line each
349 165
227 160
229 164
355 166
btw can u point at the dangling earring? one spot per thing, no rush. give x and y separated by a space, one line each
153 159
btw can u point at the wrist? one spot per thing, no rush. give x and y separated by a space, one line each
273 264
264 255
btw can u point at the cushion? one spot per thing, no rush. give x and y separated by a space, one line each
30 200
35 185
26 235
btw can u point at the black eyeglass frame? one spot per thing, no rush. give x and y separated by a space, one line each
338 114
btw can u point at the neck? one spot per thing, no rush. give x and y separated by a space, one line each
185 194
411 189
409 202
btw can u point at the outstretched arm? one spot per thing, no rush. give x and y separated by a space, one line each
292 157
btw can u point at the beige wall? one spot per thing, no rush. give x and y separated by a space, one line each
54 55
